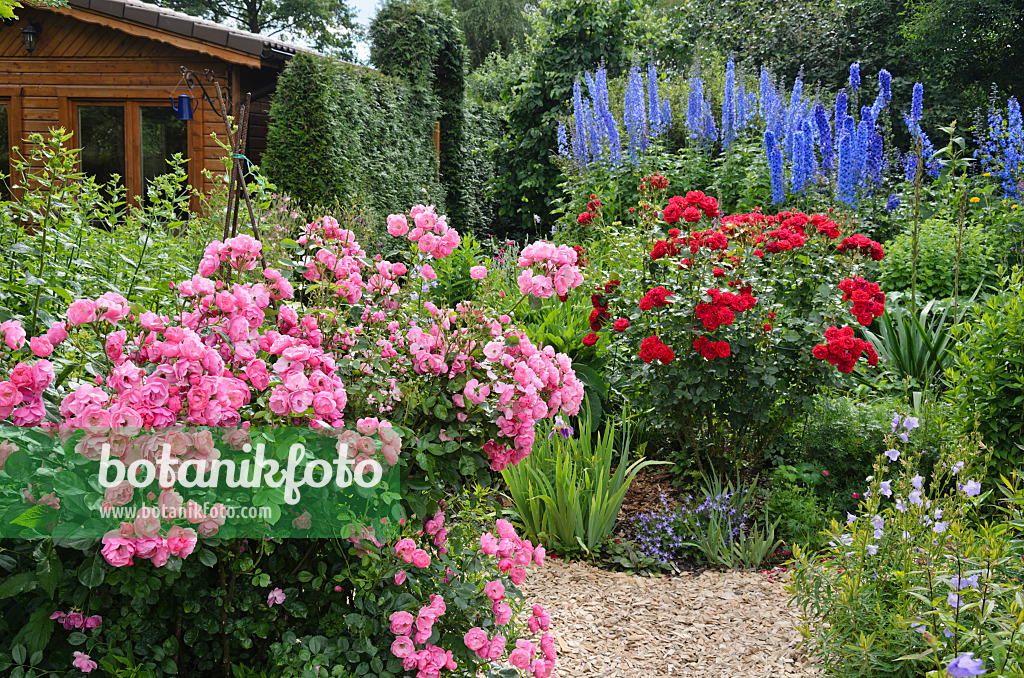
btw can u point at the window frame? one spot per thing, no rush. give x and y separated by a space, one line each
133 138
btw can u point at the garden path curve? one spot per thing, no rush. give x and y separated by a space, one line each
721 625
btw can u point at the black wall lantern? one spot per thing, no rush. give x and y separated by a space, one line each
30 35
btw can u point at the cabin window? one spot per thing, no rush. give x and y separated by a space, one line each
162 136
102 140
130 139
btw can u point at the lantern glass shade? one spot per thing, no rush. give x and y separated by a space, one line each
30 36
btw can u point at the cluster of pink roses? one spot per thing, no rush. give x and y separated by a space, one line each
240 253
120 546
339 257
76 620
548 269
411 629
431 659
430 232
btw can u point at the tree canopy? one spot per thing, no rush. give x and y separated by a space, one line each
326 25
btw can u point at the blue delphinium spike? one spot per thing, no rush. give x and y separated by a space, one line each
917 102
774 154
885 84
653 102
846 189
766 92
729 104
695 108
798 174
563 141
824 136
854 76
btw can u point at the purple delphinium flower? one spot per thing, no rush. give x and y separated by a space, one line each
892 204
885 84
966 665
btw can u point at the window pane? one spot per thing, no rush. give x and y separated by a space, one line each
163 135
5 155
101 134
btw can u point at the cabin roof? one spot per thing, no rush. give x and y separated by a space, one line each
201 31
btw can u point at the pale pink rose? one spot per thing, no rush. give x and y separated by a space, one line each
494 590
83 663
276 596
427 272
398 225
400 577
402 647
420 558
475 638
489 544
81 312
93 621
517 575
401 623
538 556
303 521
13 334
41 346
208 528
146 546
118 551
147 522
478 272
181 541
519 658
119 495
502 613
169 504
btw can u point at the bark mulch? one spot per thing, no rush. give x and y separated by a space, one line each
616 625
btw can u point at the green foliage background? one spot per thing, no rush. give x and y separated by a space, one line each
343 133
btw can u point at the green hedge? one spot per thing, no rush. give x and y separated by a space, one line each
346 134
422 44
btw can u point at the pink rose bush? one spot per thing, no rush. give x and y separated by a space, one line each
326 340
420 632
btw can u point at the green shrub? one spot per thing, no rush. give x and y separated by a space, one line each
842 436
987 377
799 513
937 258
340 133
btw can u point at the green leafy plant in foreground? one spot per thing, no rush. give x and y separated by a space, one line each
571 489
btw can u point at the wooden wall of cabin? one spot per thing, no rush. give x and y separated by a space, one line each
76 61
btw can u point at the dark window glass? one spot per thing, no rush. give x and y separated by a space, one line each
5 155
101 135
163 135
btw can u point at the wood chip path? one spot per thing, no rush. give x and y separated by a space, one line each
721 625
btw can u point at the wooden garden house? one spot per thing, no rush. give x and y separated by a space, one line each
106 71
